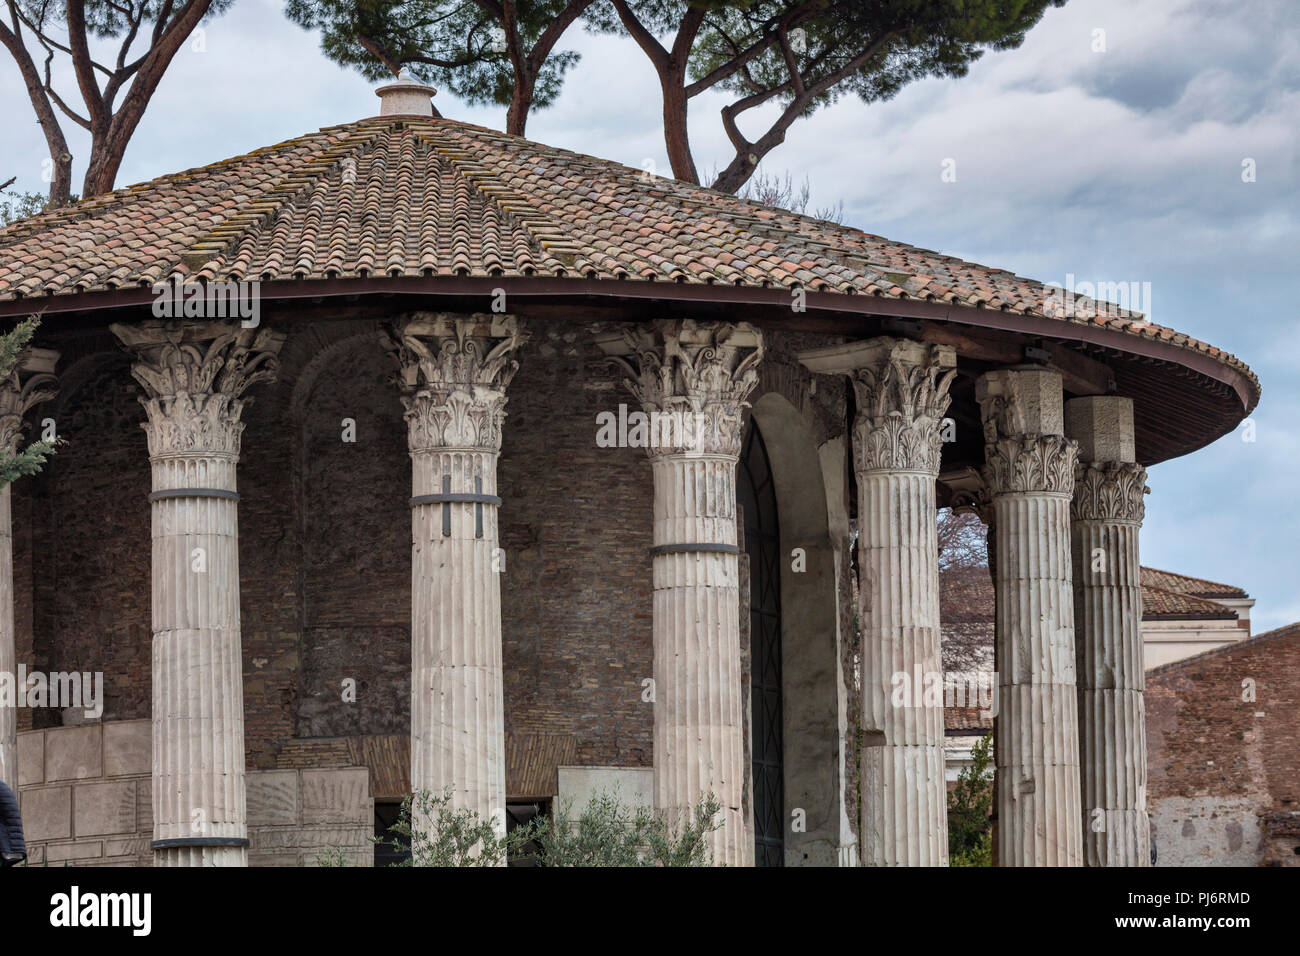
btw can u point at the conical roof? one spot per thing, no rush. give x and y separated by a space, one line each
436 205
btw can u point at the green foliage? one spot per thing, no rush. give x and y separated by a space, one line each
23 205
332 857
434 833
905 39
606 833
20 206
610 833
29 460
456 45
970 805
112 19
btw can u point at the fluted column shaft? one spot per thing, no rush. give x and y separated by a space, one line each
30 382
8 650
198 701
902 393
194 375
1107 512
700 373
457 701
1029 472
454 371
699 705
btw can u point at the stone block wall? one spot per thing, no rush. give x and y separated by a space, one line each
85 794
86 800
296 815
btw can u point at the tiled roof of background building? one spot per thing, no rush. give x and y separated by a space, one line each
1183 584
966 603
1161 602
415 197
973 720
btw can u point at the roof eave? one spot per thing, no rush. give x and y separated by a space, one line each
1242 384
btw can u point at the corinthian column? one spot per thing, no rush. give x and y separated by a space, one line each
194 375
692 379
1107 515
453 375
31 381
1029 472
902 394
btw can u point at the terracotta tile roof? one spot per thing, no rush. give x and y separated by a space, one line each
1184 584
408 196
1162 602
972 720
966 604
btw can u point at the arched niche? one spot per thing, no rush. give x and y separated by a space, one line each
812 686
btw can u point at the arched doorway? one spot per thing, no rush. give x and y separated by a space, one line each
756 494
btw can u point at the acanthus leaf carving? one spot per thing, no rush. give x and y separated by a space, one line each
29 383
453 371
901 404
700 375
1026 464
194 376
1109 491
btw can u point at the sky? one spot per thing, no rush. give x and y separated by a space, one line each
1108 147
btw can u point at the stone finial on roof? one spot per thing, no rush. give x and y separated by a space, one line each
406 97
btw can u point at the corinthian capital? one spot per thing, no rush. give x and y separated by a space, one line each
194 375
693 379
1030 463
453 372
1109 491
902 394
31 382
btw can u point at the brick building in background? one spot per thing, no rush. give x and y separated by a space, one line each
1223 771
1223 754
1181 616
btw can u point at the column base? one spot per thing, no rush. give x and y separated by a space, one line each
200 851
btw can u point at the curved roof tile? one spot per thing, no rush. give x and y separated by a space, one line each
340 202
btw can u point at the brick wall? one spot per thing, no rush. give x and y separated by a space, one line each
1224 771
325 550
88 560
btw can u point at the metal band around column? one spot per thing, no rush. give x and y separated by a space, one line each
199 841
699 546
194 493
460 497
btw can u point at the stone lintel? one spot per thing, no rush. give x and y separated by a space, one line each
157 332
38 361
1103 427
447 350
686 332
871 353
496 325
1022 400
